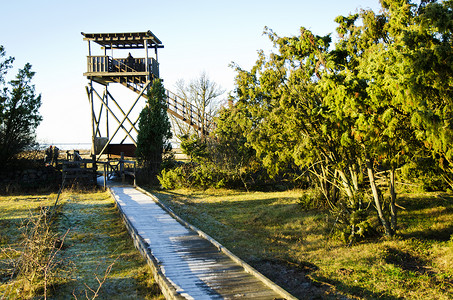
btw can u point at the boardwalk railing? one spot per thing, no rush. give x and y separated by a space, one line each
78 171
119 168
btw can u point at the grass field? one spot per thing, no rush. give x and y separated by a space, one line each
96 241
272 231
294 247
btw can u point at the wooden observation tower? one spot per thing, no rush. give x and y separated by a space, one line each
136 74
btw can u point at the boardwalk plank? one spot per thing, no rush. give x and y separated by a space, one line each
193 266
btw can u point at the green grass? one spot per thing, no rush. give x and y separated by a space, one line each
261 227
96 240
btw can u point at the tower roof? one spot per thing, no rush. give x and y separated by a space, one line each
125 40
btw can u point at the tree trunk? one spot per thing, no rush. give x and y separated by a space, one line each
324 183
335 191
355 183
393 212
354 177
346 186
374 190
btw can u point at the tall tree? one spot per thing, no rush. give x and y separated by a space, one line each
428 84
204 94
290 121
154 129
335 112
5 64
404 55
19 110
231 152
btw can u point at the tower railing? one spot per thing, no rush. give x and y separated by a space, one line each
98 64
107 64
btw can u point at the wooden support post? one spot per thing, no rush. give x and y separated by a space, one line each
148 77
105 176
107 112
155 51
93 133
94 168
135 173
123 177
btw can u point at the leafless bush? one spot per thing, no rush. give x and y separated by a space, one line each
35 264
100 281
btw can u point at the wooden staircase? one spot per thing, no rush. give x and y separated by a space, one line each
176 106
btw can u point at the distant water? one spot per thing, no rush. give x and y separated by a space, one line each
68 146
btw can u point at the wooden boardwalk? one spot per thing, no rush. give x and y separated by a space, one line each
186 263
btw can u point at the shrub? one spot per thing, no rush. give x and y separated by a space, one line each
36 264
170 179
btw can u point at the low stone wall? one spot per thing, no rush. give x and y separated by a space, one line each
28 180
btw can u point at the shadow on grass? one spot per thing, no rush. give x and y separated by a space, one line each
440 235
112 288
406 261
413 203
355 290
430 216
291 276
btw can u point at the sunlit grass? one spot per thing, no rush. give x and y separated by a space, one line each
416 264
97 239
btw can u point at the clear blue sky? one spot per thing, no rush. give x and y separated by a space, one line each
198 36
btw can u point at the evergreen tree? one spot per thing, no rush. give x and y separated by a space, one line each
154 129
19 115
360 107
425 82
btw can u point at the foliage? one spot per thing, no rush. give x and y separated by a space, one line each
199 172
154 129
219 160
425 173
292 117
171 178
342 116
194 146
428 82
365 107
348 114
19 115
192 175
232 152
5 64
